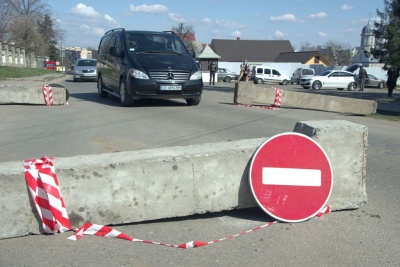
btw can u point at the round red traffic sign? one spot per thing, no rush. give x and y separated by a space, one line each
291 177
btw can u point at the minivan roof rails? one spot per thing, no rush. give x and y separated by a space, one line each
170 32
116 29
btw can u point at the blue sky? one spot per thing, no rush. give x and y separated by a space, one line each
298 21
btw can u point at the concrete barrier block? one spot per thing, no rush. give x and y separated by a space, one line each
134 186
247 93
345 143
31 95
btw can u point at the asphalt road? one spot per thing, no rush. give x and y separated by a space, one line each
369 236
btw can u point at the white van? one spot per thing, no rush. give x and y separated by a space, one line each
263 74
300 73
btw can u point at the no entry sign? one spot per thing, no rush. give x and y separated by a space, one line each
291 177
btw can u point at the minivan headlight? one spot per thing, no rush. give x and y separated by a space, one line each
138 74
196 76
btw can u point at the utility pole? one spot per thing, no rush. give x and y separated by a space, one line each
62 57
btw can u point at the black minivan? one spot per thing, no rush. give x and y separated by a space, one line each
145 64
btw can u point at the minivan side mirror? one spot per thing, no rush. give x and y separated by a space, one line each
192 53
113 51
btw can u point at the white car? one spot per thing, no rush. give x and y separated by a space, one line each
330 79
263 74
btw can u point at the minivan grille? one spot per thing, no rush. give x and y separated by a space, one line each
169 75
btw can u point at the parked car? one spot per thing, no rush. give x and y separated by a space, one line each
330 79
226 75
85 69
372 81
301 73
263 74
147 64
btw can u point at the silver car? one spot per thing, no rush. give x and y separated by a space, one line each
85 69
226 75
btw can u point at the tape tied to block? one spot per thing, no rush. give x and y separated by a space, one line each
48 94
275 106
45 193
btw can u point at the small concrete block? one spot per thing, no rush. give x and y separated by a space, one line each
345 144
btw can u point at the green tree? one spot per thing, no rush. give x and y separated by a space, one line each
33 27
387 34
47 32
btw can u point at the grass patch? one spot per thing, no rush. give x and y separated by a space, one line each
386 116
12 72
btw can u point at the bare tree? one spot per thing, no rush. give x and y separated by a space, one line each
307 46
336 52
33 27
32 9
184 31
5 20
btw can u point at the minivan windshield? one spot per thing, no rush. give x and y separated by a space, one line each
139 43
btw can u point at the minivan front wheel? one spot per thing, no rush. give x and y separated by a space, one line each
124 98
193 101
100 88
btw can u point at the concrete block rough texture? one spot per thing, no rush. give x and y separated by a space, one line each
31 95
133 186
345 144
247 93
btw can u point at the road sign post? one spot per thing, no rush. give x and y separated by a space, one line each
291 177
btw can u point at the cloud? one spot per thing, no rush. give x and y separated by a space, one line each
347 7
98 31
154 9
92 30
278 34
176 17
229 24
85 11
322 34
207 20
109 19
286 17
236 34
319 15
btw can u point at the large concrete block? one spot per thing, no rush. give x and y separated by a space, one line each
345 143
32 94
247 93
133 186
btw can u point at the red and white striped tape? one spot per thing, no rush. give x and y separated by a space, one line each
105 231
48 94
45 193
253 106
278 97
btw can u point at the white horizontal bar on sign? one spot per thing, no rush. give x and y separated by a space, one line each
291 177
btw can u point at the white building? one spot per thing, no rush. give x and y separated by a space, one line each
368 41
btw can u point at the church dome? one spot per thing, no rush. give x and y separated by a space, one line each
368 30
